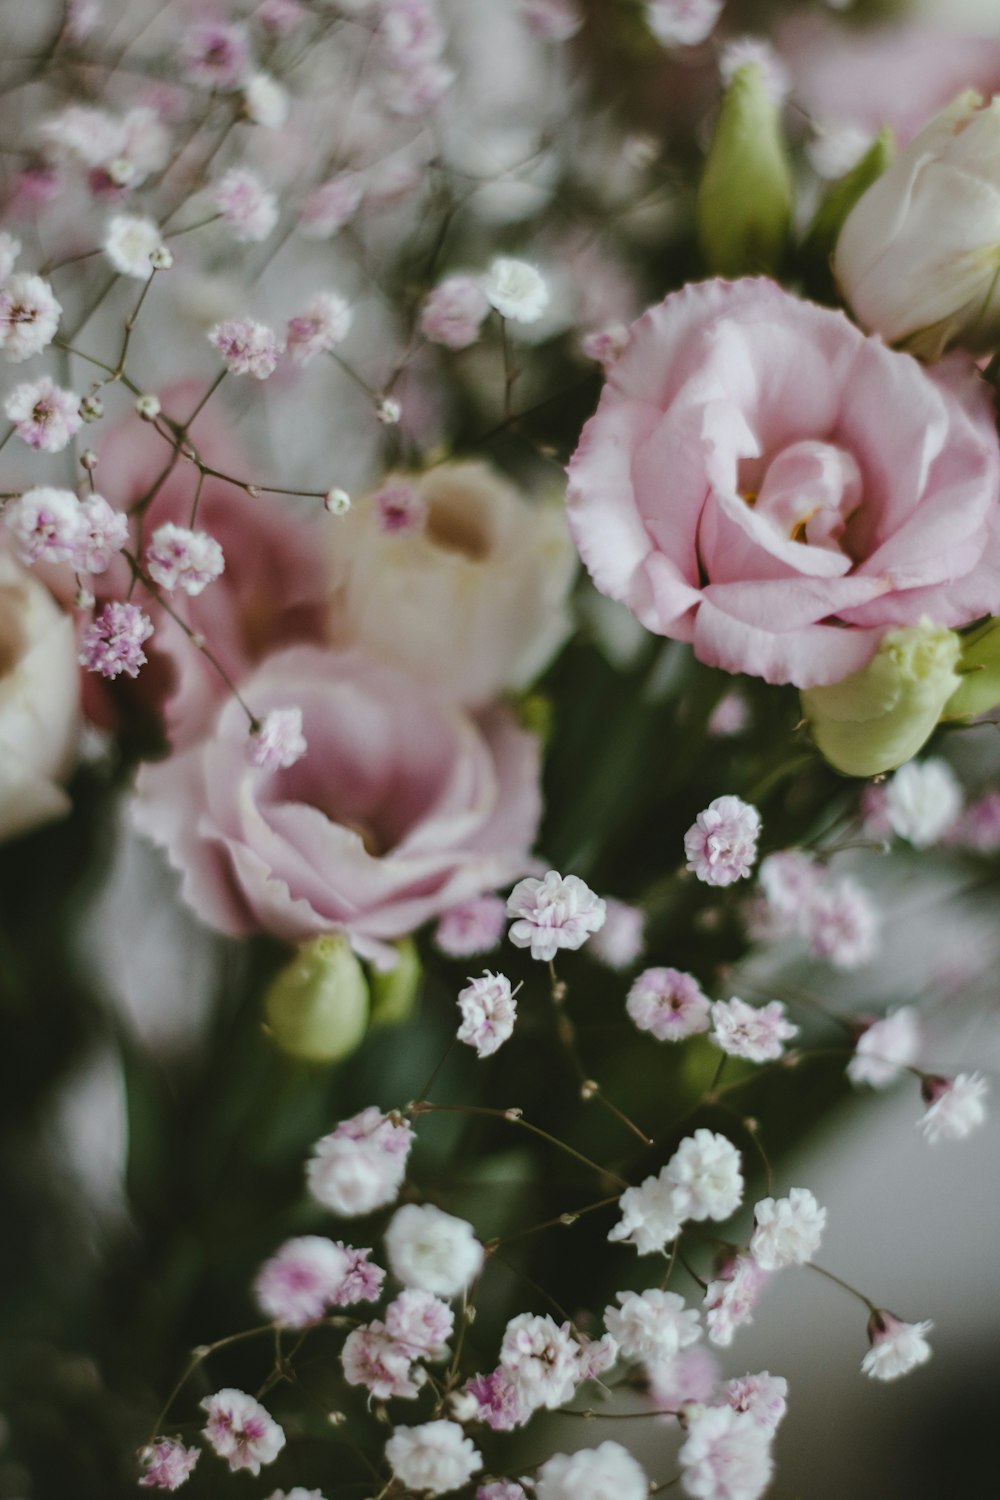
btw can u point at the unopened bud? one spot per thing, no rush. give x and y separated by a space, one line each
162 258
394 991
317 1007
337 502
121 171
92 408
88 460
148 408
388 411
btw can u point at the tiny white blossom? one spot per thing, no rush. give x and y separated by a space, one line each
434 1458
277 742
432 1250
608 1470
653 1325
129 241
922 800
649 1220
360 1166
705 1175
955 1106
755 1033
29 316
896 1347
885 1048
787 1231
265 101
726 1456
517 290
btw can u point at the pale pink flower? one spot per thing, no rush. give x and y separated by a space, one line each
731 1299
489 1011
691 1375
885 1048
787 1231
373 1358
542 1360
726 1455
653 1325
411 33
180 558
553 913
360 1166
301 1281
552 20
841 924
669 1004
167 1463
979 826
277 741
101 535
129 241
332 205
922 800
705 1175
216 54
649 1220
501 1489
592 1474
852 453
248 348
789 881
755 1033
242 1431
421 1321
605 345
622 938
29 316
113 642
323 325
721 845
896 1347
44 415
362 1281
762 1397
498 1400
955 1106
597 1356
431 1250
474 926
729 717
434 1458
517 290
44 524
281 16
756 51
872 808
247 207
682 23
453 313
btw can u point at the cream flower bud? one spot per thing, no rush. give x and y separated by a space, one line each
979 671
879 717
918 258
317 1007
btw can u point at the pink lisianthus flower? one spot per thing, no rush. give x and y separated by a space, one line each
820 487
401 806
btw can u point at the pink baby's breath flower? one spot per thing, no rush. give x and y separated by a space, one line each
691 1375
362 1281
604 345
373 1358
498 1401
44 524
789 881
360 1166
248 348
896 1347
787 1231
721 845
325 323
29 316
726 1455
592 1474
553 913
246 205
112 643
44 415
682 23
668 1004
620 941
454 312
541 1358
475 926
730 1300
242 1431
301 1281
729 717
332 205
653 1325
841 924
277 742
649 1219
184 559
755 1033
421 1321
489 1011
885 1048
978 828
762 1397
955 1106
216 54
167 1463
551 20
101 535
597 1356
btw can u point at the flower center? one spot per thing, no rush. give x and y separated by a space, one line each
809 492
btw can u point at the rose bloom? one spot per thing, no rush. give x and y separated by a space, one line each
401 807
39 702
457 577
764 481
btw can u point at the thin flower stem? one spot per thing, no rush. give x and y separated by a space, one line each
437 1068
565 1220
589 1087
204 400
615 1416
711 1094
198 1357
513 1117
845 1284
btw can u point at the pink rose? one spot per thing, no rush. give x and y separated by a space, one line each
763 480
401 807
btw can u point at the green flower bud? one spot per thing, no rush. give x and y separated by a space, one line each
317 1007
841 196
744 203
879 717
979 668
394 991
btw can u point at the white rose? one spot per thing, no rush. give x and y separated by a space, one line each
455 576
918 258
39 702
